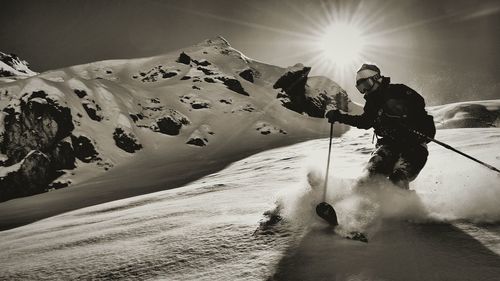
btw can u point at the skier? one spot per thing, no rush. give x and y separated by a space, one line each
392 110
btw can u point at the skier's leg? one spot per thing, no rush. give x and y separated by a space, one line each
409 165
380 165
400 179
383 160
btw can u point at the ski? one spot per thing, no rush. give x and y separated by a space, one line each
328 213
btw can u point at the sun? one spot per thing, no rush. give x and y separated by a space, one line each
341 43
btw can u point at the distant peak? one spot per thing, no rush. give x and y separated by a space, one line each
217 41
12 65
9 59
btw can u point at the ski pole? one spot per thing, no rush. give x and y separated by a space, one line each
328 161
453 149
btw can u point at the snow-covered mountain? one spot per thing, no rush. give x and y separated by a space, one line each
12 68
187 111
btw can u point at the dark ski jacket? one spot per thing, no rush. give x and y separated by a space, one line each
391 110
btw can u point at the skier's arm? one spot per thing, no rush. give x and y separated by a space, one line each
363 121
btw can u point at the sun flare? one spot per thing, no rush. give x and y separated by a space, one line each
341 43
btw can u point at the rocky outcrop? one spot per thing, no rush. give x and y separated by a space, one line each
226 101
28 177
156 117
6 73
126 140
200 136
170 125
63 156
166 121
205 70
202 62
84 149
35 140
209 80
197 141
265 129
233 85
184 59
296 93
195 102
36 123
293 85
248 75
317 106
322 95
89 105
155 73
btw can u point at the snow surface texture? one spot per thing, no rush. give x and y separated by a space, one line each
204 230
158 109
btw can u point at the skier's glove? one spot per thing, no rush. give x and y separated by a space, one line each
333 116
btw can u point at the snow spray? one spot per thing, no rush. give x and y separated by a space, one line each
359 208
467 193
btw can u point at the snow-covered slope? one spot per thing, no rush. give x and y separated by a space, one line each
183 112
205 230
471 114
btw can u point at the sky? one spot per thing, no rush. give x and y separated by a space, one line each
447 50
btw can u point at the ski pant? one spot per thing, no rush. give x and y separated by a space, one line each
401 164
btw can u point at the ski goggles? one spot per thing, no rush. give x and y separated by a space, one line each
364 85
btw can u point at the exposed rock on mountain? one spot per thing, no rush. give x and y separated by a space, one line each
322 94
266 128
184 59
34 127
293 85
93 110
29 176
202 62
198 141
233 85
35 122
309 97
63 156
84 149
247 74
171 123
156 73
126 140
195 102
200 136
